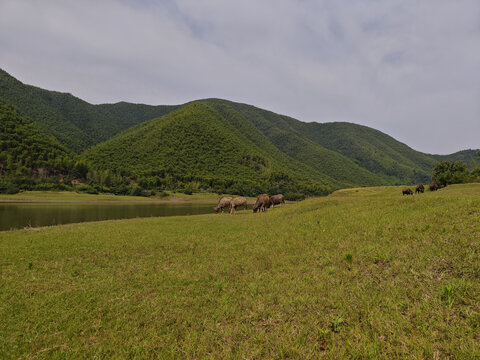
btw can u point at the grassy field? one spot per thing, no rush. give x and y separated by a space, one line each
70 196
361 274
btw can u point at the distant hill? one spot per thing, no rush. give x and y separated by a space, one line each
470 157
372 150
222 145
74 122
369 149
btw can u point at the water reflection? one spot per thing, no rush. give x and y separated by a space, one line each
19 215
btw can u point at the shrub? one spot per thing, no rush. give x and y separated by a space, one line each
451 172
138 191
121 189
8 188
163 194
46 186
86 189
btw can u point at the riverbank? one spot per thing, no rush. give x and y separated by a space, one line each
72 197
363 273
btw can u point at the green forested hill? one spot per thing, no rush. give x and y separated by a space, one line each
25 150
339 148
470 157
238 148
74 122
279 132
372 150
221 145
195 146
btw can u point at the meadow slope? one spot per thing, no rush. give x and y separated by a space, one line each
363 273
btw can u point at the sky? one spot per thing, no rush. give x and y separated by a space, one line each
409 68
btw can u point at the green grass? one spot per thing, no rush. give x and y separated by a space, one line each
361 274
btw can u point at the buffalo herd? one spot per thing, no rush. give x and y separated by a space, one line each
434 186
262 203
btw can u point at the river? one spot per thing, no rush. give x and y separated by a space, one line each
20 215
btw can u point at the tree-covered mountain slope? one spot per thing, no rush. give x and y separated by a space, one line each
216 143
389 160
469 157
277 131
25 150
74 122
196 145
220 143
372 150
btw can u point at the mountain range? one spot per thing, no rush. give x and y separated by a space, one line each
220 145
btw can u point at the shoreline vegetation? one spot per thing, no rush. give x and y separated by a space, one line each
361 273
74 197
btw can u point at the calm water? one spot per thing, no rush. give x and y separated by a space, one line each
19 215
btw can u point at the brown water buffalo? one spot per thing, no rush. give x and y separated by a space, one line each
420 189
277 199
262 203
222 203
434 186
407 192
236 202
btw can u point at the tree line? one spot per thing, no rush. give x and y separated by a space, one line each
456 172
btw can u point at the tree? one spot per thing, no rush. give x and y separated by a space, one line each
80 170
451 172
106 178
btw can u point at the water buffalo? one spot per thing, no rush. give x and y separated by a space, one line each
222 203
236 202
434 186
407 192
420 189
277 199
262 203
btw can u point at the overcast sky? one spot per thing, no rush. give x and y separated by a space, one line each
410 68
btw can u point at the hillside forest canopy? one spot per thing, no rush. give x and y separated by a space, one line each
55 141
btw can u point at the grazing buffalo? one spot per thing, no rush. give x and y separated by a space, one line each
236 202
277 199
420 189
435 186
262 203
407 192
222 203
